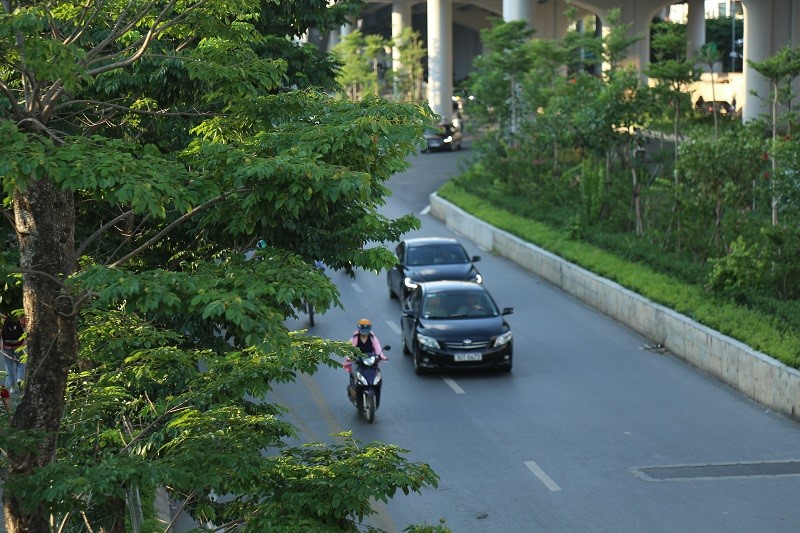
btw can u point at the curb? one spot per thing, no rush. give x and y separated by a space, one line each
754 374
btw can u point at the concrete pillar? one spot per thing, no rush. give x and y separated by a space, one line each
605 30
517 10
642 17
346 29
757 47
548 19
401 19
695 27
440 57
334 38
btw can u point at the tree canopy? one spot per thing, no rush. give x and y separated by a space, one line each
146 148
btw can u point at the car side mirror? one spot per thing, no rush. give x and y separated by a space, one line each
476 258
507 311
408 313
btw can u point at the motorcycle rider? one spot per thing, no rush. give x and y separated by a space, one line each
367 342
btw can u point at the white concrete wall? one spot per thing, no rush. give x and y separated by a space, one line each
756 375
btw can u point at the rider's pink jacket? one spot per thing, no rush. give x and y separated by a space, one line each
376 348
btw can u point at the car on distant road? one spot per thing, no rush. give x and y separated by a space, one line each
446 136
455 325
422 259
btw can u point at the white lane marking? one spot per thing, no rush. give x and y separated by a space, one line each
356 287
426 210
544 478
453 385
394 327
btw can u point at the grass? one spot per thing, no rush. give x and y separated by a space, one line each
759 330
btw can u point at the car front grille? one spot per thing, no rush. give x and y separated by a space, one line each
461 345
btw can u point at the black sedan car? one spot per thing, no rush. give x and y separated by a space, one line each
429 259
443 137
455 325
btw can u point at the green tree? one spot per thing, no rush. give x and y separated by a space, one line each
145 148
496 73
673 74
407 76
359 56
781 70
708 54
719 173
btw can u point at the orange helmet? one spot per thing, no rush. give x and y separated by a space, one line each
364 326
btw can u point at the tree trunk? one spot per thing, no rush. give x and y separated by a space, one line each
637 201
45 223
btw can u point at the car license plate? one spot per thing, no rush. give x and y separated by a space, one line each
460 357
435 143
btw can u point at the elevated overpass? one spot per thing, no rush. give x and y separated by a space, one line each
450 29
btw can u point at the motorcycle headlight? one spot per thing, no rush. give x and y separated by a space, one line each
505 338
426 341
410 284
369 361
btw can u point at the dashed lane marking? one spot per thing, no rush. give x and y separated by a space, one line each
544 478
453 385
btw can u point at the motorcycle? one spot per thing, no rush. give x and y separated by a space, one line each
364 389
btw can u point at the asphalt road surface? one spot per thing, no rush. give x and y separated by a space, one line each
590 432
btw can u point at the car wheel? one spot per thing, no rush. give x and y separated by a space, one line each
406 351
418 370
392 294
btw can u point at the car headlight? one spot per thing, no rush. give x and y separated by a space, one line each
505 338
410 284
448 139
477 278
427 342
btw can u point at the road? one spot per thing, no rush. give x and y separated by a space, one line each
590 432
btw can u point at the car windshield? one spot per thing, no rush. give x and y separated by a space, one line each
439 254
449 305
435 131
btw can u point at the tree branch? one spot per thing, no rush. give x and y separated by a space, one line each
148 38
77 304
172 225
134 110
184 503
155 30
99 232
82 23
12 100
9 215
146 431
41 127
43 274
